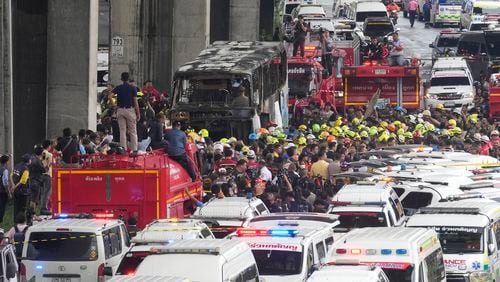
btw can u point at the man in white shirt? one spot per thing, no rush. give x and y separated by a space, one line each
396 56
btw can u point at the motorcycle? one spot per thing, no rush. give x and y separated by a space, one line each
394 17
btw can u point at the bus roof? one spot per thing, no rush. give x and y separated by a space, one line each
231 57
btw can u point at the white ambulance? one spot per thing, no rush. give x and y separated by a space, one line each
289 246
405 254
73 249
223 216
469 232
366 204
349 273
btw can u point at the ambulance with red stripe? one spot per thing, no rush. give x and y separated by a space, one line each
469 231
405 254
288 246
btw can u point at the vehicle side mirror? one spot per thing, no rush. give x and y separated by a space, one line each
491 248
108 271
11 271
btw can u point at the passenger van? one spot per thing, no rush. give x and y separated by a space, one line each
367 204
202 260
451 84
445 12
288 246
349 273
469 232
405 254
415 195
157 234
360 10
476 9
77 249
223 216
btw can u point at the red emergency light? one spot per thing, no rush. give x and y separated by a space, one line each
104 215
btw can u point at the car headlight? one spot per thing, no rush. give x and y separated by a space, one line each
468 95
480 276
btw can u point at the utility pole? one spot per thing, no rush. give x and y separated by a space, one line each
6 82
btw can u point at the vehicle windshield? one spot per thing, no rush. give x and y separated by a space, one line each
62 246
274 262
479 26
213 92
455 240
450 2
289 8
486 11
352 220
416 200
399 275
450 81
130 262
300 77
361 16
468 48
378 28
447 41
493 44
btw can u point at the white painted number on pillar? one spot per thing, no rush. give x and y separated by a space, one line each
116 46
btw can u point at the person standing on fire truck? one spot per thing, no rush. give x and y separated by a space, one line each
176 148
127 112
300 37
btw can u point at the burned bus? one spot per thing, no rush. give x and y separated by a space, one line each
233 88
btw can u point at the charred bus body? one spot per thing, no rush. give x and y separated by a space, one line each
233 88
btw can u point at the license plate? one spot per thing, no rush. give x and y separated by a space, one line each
381 71
449 104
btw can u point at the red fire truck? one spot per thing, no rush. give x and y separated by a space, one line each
398 85
494 96
144 187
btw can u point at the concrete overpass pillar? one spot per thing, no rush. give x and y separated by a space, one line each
71 65
244 20
150 39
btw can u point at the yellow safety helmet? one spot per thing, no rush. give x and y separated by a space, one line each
355 121
203 133
363 134
338 122
439 106
323 135
245 149
452 122
302 127
383 124
223 140
302 140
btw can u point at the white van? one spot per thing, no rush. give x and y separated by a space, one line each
159 233
223 216
288 246
202 260
461 159
8 266
75 249
449 178
349 273
361 10
470 236
405 254
415 195
451 84
476 10
366 204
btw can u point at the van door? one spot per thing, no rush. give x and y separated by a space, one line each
496 239
113 247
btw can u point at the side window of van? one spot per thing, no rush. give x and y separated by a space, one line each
112 242
496 231
247 275
395 208
328 243
435 266
310 258
125 236
320 249
205 233
261 209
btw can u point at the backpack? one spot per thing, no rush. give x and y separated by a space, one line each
19 237
16 177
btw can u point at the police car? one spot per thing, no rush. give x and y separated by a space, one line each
73 248
288 246
157 234
223 216
366 204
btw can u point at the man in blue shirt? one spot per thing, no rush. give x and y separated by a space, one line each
176 148
127 112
